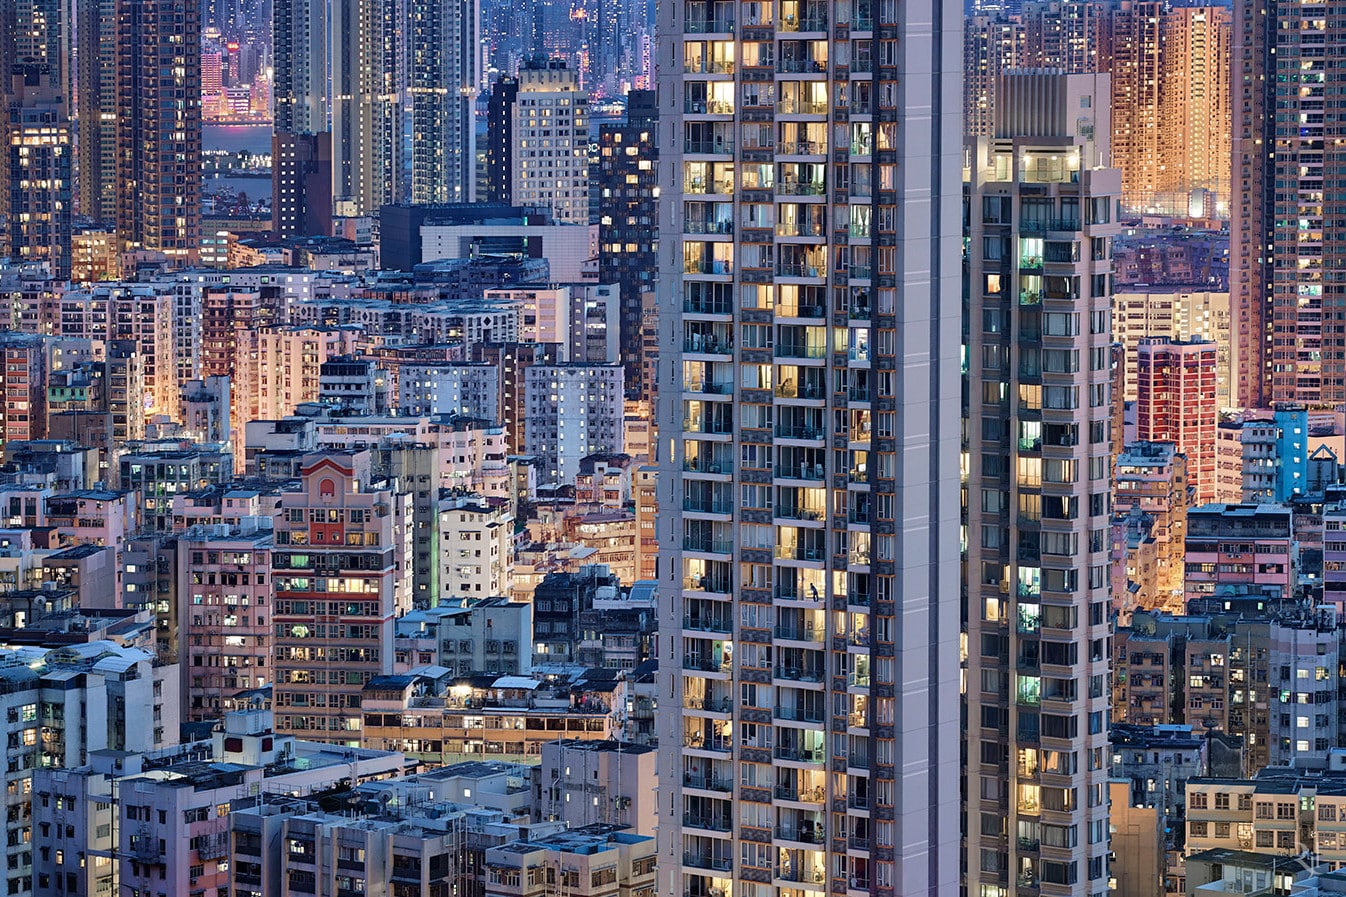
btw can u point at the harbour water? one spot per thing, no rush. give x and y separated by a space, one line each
255 139
236 138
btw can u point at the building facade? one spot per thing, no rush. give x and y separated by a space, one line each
159 127
807 413
1175 402
443 90
340 570
550 155
1041 199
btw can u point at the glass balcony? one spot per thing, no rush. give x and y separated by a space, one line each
710 822
705 664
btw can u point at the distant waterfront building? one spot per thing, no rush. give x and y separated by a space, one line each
367 116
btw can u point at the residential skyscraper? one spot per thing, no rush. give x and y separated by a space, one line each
809 240
1194 114
550 164
1287 235
35 196
991 45
38 161
367 122
500 140
301 142
97 109
628 222
1170 93
443 49
1132 55
159 126
1041 202
1063 34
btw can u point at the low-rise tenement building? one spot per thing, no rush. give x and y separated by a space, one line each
583 782
1223 870
1281 811
1244 547
1150 766
427 835
474 635
160 820
1151 477
339 567
59 707
1265 679
224 613
596 860
432 716
476 535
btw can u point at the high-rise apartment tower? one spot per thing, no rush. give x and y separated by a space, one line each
1042 209
159 126
1287 265
810 232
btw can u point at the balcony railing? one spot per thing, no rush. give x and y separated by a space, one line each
799 754
801 188
801 552
814 795
701 743
807 834
705 387
707 624
802 148
801 471
704 664
707 345
708 307
801 674
789 390
796 513
710 705
709 107
707 465
807 23
800 350
708 266
706 861
709 26
787 431
793 872
707 227
713 546
799 714
798 66
706 782
712 584
711 147
706 821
